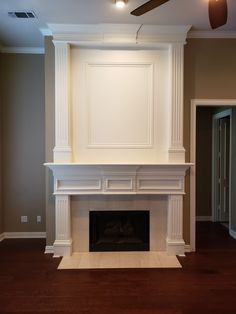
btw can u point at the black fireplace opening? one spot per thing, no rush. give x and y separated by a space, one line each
124 230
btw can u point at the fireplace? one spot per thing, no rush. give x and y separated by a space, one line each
119 231
118 131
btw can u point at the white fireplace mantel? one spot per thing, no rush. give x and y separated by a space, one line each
79 179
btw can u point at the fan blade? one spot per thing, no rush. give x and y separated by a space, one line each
148 6
218 12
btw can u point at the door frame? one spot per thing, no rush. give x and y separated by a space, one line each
215 129
194 104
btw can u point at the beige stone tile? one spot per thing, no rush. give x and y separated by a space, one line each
69 262
168 261
97 260
90 260
110 260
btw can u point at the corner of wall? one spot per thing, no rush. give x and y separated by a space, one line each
49 136
1 194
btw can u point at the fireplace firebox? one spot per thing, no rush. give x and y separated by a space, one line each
119 230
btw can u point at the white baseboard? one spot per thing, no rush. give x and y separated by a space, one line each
24 235
49 249
203 218
187 248
232 233
1 237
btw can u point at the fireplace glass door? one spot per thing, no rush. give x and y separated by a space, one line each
122 230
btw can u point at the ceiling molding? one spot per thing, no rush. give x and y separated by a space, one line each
100 34
211 34
45 31
23 50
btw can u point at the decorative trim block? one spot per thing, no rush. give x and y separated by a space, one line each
79 184
124 184
175 242
62 248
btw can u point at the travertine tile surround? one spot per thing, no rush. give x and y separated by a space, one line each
81 205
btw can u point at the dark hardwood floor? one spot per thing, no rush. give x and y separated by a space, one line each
31 283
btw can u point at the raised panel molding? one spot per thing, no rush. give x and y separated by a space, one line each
119 184
80 184
112 128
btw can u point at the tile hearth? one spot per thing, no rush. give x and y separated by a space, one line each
102 260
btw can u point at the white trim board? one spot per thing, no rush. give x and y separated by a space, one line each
203 218
23 50
232 233
187 248
211 34
24 235
49 249
1 237
194 104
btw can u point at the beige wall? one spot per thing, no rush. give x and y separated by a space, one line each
23 141
49 138
1 203
210 72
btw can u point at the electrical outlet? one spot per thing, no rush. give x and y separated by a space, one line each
38 218
24 219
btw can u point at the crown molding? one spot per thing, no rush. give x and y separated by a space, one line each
118 34
45 31
211 34
23 50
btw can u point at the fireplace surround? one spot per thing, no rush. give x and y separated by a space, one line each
118 142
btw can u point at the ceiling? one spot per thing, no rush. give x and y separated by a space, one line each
26 32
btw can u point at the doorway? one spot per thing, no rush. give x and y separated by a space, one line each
193 173
221 162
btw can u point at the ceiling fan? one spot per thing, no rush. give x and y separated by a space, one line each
217 10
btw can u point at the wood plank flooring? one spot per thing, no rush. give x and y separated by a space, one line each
31 283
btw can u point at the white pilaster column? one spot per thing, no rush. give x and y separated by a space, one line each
62 150
176 149
175 244
63 243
